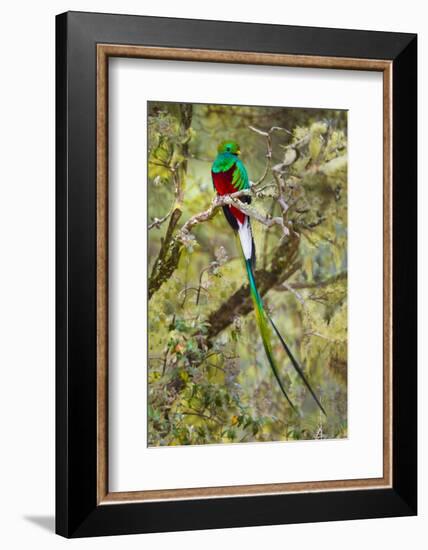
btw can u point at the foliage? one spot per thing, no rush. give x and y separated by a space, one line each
207 387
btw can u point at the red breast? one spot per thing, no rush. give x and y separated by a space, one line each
223 184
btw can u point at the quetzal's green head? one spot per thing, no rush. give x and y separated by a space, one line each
229 147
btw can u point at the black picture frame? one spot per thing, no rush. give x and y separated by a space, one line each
77 511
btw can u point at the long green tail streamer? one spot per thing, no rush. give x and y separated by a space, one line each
263 320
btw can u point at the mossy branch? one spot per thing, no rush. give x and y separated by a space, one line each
172 244
169 253
240 304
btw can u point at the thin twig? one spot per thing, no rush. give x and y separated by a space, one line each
187 289
198 295
201 415
293 291
157 222
313 284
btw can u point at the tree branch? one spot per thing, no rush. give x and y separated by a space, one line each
200 415
231 199
314 284
157 222
169 253
178 195
240 303
168 257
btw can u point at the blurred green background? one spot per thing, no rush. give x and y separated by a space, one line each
209 379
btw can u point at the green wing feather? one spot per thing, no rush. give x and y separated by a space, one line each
240 177
224 162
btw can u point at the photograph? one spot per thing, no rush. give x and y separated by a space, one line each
247 273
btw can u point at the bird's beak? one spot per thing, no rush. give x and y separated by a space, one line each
238 152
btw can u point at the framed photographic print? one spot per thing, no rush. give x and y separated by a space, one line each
236 274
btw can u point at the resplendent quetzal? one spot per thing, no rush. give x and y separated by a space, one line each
229 176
